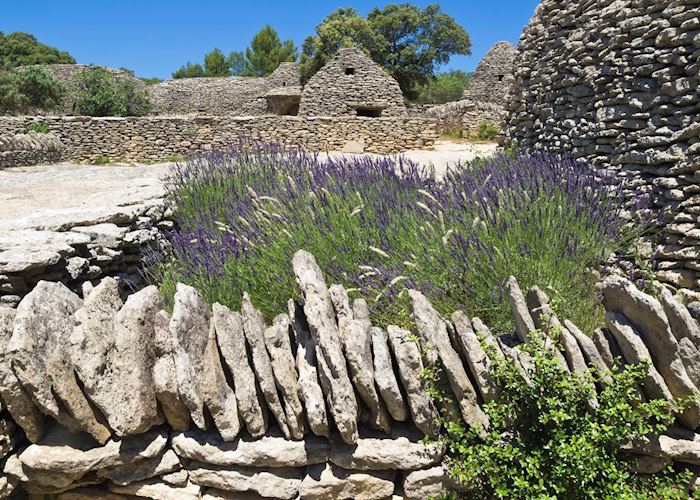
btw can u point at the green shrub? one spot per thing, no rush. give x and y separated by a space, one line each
487 131
29 88
444 87
100 93
23 49
548 440
38 127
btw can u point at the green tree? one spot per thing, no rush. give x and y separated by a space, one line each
409 42
102 94
189 70
23 49
265 54
30 88
216 64
442 88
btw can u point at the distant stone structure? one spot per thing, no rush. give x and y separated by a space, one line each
351 84
19 149
493 76
616 83
485 97
240 96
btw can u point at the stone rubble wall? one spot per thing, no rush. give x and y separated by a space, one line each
116 245
157 138
33 148
333 92
465 116
617 83
493 78
104 398
239 96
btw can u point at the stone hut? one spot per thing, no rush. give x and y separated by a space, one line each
351 84
238 96
493 76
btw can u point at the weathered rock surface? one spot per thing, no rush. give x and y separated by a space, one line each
356 337
15 398
327 481
384 376
433 330
157 490
134 408
332 370
277 483
231 339
309 388
635 352
647 316
682 323
590 352
254 329
269 451
422 484
164 375
518 308
477 359
410 365
41 360
607 346
280 350
142 469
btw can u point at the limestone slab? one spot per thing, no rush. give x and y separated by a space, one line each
384 376
278 483
327 481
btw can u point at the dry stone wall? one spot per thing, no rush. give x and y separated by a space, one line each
349 82
29 149
466 116
105 398
616 83
493 77
156 138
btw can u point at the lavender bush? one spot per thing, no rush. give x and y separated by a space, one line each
380 225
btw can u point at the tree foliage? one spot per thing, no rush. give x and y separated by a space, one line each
22 90
552 436
265 54
216 64
189 70
23 49
442 88
100 93
409 42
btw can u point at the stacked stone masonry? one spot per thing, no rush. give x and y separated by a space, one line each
156 138
105 398
351 84
29 149
617 83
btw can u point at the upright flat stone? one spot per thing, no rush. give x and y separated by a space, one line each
478 361
384 376
327 481
410 365
427 483
433 330
278 483
682 323
200 376
588 348
546 321
41 359
484 335
164 375
268 451
92 341
332 370
254 329
280 350
646 314
519 310
309 388
17 401
690 355
135 408
355 335
607 346
231 339
635 352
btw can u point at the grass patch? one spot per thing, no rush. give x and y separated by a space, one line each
380 226
38 127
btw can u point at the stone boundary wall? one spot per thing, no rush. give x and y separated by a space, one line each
465 116
156 138
617 83
33 148
213 403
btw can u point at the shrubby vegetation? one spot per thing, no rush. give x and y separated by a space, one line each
23 49
442 88
264 55
38 127
548 440
26 89
487 131
379 226
408 42
100 93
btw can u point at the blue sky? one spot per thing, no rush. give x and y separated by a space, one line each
154 38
